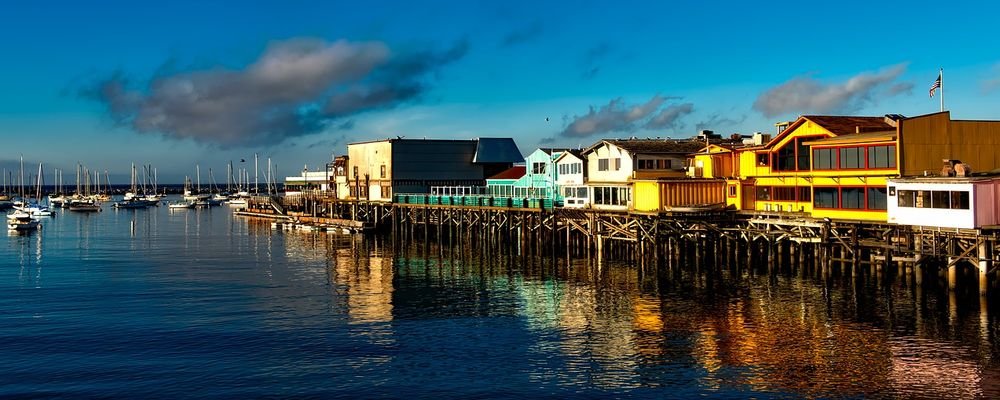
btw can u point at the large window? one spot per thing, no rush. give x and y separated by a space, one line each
614 195
783 193
618 164
793 156
825 198
824 159
881 157
805 193
852 157
538 168
877 198
602 164
852 198
784 158
647 164
855 157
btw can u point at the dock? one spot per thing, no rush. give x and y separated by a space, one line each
654 241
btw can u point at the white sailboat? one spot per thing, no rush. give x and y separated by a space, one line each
33 207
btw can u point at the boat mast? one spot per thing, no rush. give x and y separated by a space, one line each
38 184
197 170
22 177
256 173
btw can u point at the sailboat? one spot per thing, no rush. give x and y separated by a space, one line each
33 207
133 199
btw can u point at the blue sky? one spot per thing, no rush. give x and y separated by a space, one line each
184 84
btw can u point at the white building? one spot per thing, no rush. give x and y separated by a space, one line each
612 165
308 181
572 178
944 202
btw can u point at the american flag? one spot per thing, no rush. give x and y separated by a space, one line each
936 85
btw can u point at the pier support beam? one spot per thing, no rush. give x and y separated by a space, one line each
984 266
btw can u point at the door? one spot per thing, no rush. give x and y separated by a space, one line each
749 193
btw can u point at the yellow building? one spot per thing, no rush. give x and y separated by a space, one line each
821 166
838 166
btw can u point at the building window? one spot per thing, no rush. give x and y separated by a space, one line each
852 198
784 158
825 198
762 159
578 169
763 193
805 193
355 172
602 164
538 168
906 198
923 199
877 198
615 196
382 172
732 190
783 193
647 164
960 200
824 159
881 157
618 164
852 158
940 199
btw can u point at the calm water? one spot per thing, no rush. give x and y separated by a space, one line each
200 304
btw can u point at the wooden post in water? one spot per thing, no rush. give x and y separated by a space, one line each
984 265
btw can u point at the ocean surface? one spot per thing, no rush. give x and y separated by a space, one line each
201 304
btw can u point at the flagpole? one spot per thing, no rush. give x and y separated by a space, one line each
941 76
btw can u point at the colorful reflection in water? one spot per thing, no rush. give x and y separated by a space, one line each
200 304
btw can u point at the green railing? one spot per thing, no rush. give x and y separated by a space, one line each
476 200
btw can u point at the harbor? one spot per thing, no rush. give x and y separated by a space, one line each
181 288
499 200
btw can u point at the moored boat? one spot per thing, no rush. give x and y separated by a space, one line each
181 205
84 206
20 221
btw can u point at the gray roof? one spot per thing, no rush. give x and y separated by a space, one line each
497 150
652 146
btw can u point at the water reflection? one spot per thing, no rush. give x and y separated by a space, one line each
850 336
359 313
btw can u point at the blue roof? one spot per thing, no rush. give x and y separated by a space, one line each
497 150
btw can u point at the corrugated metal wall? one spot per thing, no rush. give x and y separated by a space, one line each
681 194
925 141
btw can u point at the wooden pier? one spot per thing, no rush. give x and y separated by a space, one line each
663 240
